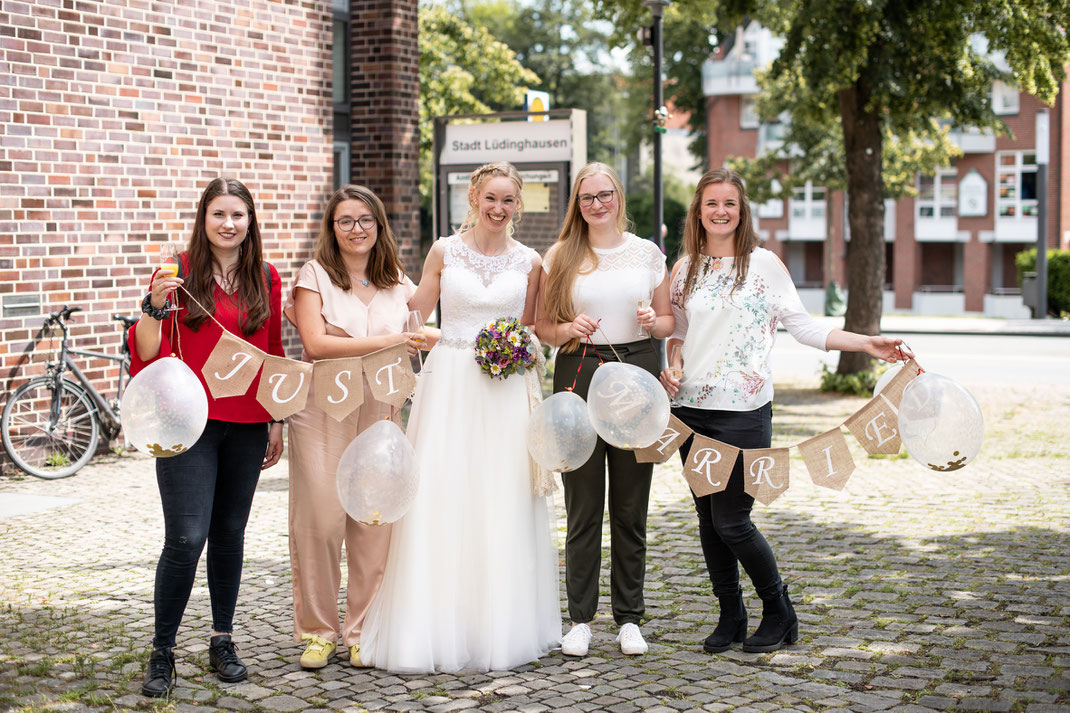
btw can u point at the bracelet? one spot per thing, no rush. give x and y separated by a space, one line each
274 421
160 313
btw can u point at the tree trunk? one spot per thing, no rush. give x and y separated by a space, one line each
865 214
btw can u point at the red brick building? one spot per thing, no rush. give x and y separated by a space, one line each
114 115
950 250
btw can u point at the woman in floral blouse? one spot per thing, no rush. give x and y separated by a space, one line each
728 295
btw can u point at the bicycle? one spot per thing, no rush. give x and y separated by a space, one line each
51 425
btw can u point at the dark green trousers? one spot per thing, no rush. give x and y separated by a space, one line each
585 497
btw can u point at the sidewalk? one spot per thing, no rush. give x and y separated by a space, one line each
916 591
900 323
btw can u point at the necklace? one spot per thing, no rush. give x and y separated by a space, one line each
483 252
364 282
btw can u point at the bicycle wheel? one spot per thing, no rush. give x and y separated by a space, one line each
42 446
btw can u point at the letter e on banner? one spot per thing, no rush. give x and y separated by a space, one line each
893 390
876 427
284 386
709 465
231 367
389 374
668 443
338 386
765 473
828 459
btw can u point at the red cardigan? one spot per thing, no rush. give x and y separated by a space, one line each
196 346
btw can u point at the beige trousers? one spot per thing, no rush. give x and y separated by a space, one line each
319 526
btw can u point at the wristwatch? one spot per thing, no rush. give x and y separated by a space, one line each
159 314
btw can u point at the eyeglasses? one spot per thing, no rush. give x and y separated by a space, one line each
367 222
603 197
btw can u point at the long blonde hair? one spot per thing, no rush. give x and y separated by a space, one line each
384 267
572 253
695 235
480 176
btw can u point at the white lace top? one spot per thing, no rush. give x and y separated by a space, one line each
477 289
728 337
611 292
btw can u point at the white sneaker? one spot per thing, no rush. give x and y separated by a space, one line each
631 640
576 641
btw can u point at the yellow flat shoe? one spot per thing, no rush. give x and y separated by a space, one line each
354 657
317 652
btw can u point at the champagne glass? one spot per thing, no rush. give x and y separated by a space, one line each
167 264
643 304
415 324
676 362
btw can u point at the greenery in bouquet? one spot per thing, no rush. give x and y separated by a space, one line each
504 347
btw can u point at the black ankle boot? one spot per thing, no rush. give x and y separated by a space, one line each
224 659
779 625
731 626
160 673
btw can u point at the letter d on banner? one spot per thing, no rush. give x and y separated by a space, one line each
284 385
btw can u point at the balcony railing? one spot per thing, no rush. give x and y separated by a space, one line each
729 76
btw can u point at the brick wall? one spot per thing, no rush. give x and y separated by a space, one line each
115 114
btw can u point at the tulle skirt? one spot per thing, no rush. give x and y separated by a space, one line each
472 576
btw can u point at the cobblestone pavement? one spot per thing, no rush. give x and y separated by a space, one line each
916 591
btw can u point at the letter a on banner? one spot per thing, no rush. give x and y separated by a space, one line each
709 465
338 386
765 473
232 366
389 374
668 443
876 427
828 459
284 386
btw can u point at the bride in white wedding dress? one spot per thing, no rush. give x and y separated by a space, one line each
471 580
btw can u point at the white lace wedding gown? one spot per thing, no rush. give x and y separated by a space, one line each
472 577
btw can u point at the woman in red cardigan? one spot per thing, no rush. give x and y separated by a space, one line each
207 491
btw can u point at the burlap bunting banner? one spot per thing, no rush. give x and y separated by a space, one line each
709 465
893 390
338 386
284 385
875 427
828 459
231 367
668 443
390 375
765 473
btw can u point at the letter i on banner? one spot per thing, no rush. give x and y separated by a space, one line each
668 443
390 376
765 473
284 386
338 386
828 459
231 367
876 427
709 465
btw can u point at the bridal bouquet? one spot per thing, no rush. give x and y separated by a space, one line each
504 347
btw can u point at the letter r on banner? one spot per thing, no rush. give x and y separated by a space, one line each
709 465
766 473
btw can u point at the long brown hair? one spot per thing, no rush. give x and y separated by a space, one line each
384 266
252 294
572 253
475 184
695 235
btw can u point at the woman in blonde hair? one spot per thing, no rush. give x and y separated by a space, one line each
471 578
351 300
728 295
603 284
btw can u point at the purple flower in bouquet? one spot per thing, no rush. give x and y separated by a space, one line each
504 347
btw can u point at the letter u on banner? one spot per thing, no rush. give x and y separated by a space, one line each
284 386
876 427
766 473
709 465
231 367
338 386
828 459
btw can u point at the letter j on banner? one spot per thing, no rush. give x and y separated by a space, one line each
231 367
284 386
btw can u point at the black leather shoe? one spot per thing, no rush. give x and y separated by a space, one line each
731 626
160 674
223 658
779 625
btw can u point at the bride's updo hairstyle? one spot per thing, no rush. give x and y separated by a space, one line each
480 176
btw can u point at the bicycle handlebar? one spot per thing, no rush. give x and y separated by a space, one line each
63 315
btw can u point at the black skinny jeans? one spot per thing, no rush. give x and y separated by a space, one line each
728 536
206 494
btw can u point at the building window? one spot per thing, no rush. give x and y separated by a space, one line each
1004 99
937 194
1016 181
774 207
341 163
748 113
806 216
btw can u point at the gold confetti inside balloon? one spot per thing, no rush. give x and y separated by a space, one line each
627 405
940 422
560 434
377 477
164 408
